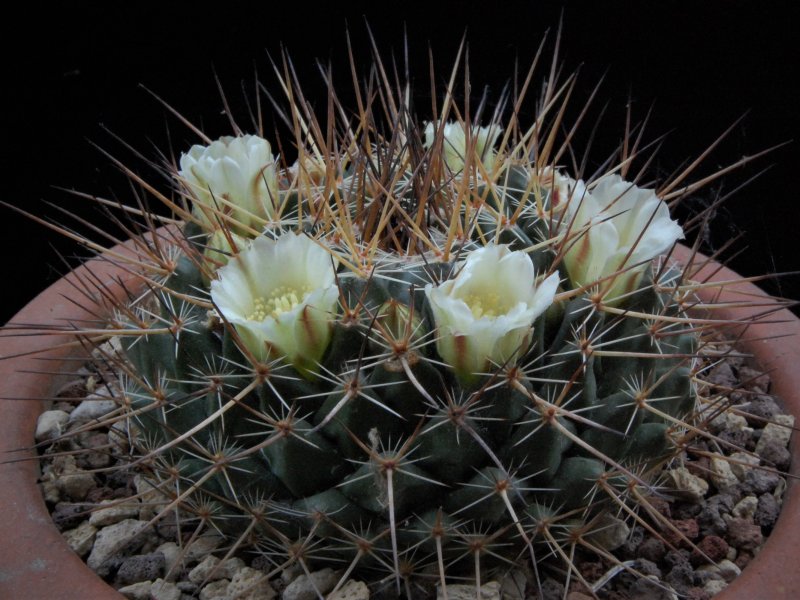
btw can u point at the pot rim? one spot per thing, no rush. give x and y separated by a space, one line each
40 564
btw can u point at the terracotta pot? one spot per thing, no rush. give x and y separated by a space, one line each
36 563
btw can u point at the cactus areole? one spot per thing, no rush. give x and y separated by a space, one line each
423 352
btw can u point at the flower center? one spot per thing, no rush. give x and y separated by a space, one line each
281 300
486 305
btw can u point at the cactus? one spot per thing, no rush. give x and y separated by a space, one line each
423 352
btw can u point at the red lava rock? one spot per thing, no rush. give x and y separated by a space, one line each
98 494
661 506
688 528
699 467
743 559
713 547
652 549
72 389
696 593
592 571
744 534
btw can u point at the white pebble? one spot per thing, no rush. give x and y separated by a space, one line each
252 584
305 588
164 590
137 591
721 474
352 590
109 512
50 425
93 408
81 539
489 591
746 508
778 432
687 484
739 469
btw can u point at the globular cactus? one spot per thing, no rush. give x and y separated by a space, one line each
421 352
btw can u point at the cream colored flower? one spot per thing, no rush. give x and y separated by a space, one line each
454 145
234 176
485 313
615 226
280 296
220 247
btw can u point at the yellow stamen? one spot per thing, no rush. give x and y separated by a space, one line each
486 305
281 300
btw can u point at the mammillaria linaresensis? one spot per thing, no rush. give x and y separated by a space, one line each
422 352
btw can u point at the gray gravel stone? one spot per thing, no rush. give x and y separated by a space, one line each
513 584
745 508
758 482
703 575
164 590
203 546
93 408
50 425
172 554
649 588
81 539
68 516
489 591
680 577
120 435
761 407
109 512
767 511
728 422
113 543
776 454
610 533
721 474
305 588
715 586
552 589
50 491
778 432
144 567
356 590
652 549
71 481
76 486
215 590
741 470
204 571
187 587
210 569
137 591
687 484
252 584
728 570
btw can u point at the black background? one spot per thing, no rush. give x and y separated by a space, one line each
71 74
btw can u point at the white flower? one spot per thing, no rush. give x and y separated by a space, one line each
562 191
454 144
485 314
234 176
280 296
220 247
615 226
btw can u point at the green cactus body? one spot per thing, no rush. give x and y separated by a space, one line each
383 454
